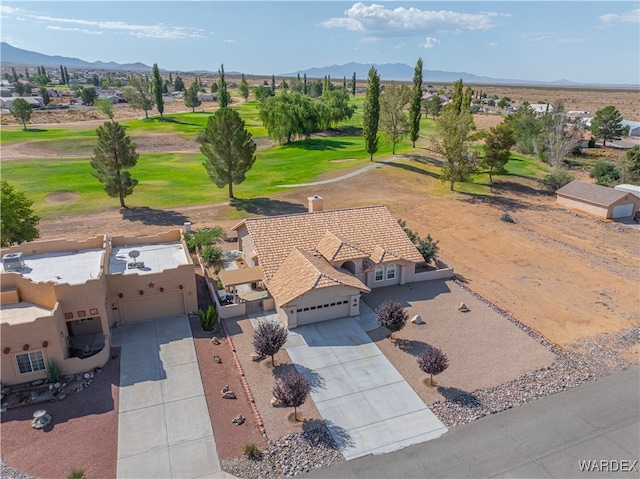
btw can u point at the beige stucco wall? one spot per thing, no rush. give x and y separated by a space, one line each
405 273
288 313
55 246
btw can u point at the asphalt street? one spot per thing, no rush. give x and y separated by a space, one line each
599 421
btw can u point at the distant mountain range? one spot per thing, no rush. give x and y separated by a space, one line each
11 55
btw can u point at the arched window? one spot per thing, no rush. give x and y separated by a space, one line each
349 266
391 271
379 273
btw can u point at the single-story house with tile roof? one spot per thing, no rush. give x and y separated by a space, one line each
316 264
60 298
600 201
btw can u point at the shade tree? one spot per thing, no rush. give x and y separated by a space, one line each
392 315
291 390
268 338
19 223
21 111
432 361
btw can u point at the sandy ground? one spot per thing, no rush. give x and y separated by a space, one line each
83 433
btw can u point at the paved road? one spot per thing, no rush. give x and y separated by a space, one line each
546 438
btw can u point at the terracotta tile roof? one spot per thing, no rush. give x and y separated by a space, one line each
381 255
367 228
600 195
335 248
302 272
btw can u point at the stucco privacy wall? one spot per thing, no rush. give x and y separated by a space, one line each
56 246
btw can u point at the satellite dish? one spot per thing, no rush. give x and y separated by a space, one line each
134 253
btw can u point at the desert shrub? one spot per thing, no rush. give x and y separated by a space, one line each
208 318
592 142
605 172
211 253
556 180
392 316
432 361
268 338
76 474
428 248
292 390
251 451
506 217
203 237
54 371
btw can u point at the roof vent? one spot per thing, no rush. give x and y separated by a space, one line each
13 262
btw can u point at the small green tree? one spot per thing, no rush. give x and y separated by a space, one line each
415 108
21 111
178 84
393 119
606 173
371 113
140 95
19 222
105 106
433 105
497 149
229 149
243 88
631 165
428 248
114 154
191 97
157 89
555 180
88 96
607 124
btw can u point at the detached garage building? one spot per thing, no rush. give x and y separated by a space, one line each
596 200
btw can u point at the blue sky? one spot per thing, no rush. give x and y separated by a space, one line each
582 41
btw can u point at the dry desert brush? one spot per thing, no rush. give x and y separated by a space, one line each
292 390
268 338
392 316
432 361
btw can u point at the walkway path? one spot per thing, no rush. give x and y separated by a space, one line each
164 428
348 175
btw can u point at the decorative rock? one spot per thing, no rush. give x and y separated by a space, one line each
238 420
463 307
57 385
87 375
215 340
256 357
228 395
276 402
217 359
225 389
37 382
417 319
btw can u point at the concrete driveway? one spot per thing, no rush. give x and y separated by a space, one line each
367 405
164 428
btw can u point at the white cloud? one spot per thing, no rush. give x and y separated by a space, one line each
400 45
613 18
550 38
379 21
73 29
159 30
492 44
430 43
230 41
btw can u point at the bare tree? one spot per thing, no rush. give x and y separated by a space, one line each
268 338
292 390
392 316
432 361
559 138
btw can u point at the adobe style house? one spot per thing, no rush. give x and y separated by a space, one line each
60 298
596 200
316 264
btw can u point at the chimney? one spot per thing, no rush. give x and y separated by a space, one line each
315 203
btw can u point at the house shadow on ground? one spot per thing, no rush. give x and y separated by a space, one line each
152 216
267 206
410 293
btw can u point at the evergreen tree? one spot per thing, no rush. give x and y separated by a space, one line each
224 97
170 78
18 221
353 84
63 78
415 107
607 124
305 90
178 84
371 113
157 89
273 83
66 76
26 74
114 154
497 148
243 88
191 97
229 149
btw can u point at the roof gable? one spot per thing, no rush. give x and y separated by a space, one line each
362 229
600 195
335 248
302 272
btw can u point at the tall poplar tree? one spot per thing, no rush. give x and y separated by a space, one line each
224 97
157 89
353 84
305 85
416 104
371 113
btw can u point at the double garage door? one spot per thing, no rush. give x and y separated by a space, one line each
321 312
154 306
622 211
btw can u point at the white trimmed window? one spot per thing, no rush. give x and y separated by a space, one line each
379 273
391 271
30 362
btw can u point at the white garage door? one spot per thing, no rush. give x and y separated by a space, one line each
321 312
152 307
622 211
